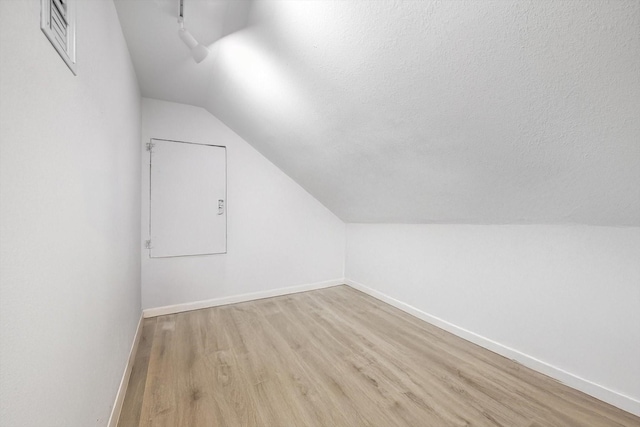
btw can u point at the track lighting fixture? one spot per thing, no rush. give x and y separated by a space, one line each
198 51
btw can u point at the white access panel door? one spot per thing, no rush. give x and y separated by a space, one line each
188 212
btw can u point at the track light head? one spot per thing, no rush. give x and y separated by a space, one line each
198 52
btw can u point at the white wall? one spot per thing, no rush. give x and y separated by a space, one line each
70 218
568 296
278 234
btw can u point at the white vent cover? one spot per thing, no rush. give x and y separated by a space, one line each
58 23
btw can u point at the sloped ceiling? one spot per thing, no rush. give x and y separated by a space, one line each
419 111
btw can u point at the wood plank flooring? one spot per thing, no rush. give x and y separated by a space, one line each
336 357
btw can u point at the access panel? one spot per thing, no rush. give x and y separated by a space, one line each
188 199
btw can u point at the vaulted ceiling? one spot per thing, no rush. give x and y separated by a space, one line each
419 111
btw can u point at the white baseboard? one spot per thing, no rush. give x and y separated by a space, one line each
197 305
614 398
124 382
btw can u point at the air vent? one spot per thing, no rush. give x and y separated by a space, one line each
58 23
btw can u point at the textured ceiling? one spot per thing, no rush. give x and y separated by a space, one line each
419 111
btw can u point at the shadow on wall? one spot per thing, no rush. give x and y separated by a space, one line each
236 16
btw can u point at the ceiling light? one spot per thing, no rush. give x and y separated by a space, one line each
198 51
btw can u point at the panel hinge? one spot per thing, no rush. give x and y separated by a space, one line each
147 244
150 146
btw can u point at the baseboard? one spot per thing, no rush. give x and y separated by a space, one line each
614 398
197 305
124 382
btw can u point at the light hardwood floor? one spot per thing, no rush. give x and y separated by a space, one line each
336 357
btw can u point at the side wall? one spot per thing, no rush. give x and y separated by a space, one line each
564 300
278 235
69 218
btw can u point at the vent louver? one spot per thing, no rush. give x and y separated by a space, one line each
57 22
